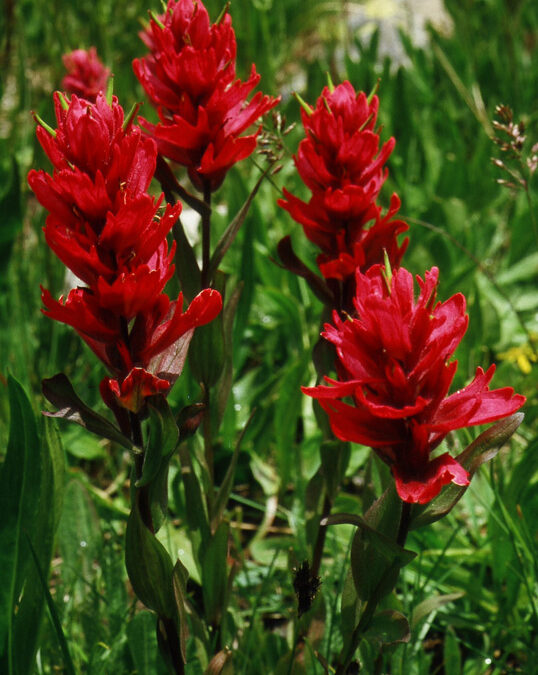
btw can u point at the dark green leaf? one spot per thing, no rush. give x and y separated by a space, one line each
179 580
149 567
451 653
59 391
388 627
227 484
19 501
484 448
233 228
215 573
142 641
432 604
162 439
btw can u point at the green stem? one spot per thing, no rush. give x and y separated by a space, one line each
206 236
372 603
320 538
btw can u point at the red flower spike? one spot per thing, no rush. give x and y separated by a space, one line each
342 163
86 75
135 388
189 76
104 226
392 364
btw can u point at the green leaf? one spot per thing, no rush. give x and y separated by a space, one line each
287 411
233 228
451 653
10 206
334 460
39 543
215 573
80 537
59 391
162 439
226 487
179 580
484 448
376 558
432 604
19 501
23 644
351 611
388 627
149 566
142 641
226 381
196 512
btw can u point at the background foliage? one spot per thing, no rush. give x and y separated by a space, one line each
472 589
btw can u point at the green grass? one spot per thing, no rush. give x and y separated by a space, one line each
477 232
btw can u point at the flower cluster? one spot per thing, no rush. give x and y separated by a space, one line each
342 164
86 75
103 225
392 363
189 76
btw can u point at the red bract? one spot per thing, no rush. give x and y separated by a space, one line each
392 363
342 163
86 75
105 227
190 77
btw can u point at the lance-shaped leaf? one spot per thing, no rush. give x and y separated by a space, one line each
231 231
376 558
215 573
226 487
149 566
432 604
351 611
59 391
388 627
334 460
481 450
179 580
295 265
220 664
226 381
195 506
19 495
162 439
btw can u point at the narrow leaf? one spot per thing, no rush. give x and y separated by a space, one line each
388 627
149 566
227 484
295 265
18 507
215 573
59 391
430 605
162 440
55 619
179 580
481 450
233 228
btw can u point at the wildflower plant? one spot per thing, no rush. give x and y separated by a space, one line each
155 307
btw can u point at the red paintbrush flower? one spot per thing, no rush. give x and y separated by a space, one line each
342 163
86 75
189 76
105 227
392 364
